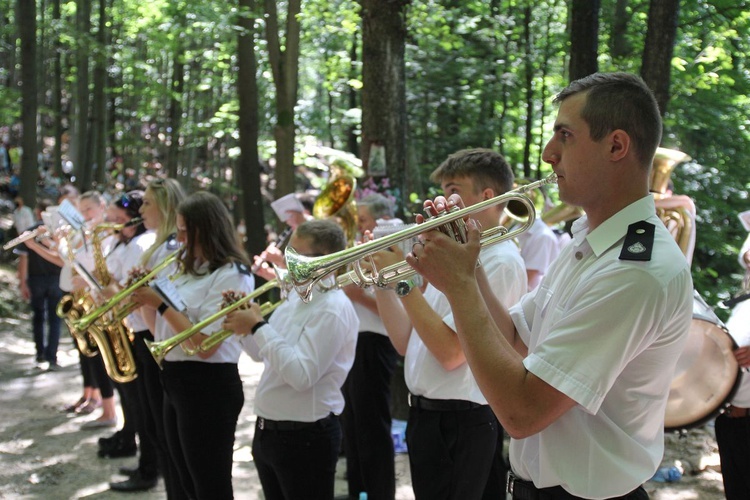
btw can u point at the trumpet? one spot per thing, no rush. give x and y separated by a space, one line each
160 349
306 272
25 236
85 322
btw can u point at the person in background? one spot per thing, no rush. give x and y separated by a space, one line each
539 247
203 393
366 420
23 216
307 350
40 284
452 434
579 371
733 425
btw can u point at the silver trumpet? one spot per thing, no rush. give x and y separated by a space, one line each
306 272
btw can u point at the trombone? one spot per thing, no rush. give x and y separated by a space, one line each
306 272
160 349
85 322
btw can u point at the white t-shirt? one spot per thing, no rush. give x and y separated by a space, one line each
203 297
308 350
123 259
424 374
607 333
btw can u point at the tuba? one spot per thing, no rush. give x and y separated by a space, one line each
337 200
676 211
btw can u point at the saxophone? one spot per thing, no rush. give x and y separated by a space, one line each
110 336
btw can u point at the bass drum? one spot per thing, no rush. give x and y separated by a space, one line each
707 374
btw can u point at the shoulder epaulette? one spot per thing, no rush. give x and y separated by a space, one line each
639 241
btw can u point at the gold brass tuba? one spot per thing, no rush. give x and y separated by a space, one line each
337 200
676 211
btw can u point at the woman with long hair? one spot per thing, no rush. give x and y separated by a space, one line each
202 394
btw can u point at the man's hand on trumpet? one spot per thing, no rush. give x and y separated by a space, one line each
441 260
242 321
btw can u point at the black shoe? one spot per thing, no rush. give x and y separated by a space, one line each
109 442
120 451
136 483
129 471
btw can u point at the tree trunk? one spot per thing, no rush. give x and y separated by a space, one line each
529 93
285 68
352 144
621 47
99 102
384 121
82 161
248 167
27 32
659 47
57 92
584 38
175 100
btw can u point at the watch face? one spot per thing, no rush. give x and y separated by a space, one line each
403 288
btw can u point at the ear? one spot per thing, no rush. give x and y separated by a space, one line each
488 193
619 145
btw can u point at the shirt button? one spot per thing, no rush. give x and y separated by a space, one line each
579 255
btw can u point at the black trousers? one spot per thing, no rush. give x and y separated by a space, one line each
134 410
45 294
366 420
451 452
202 402
733 438
151 394
105 384
297 463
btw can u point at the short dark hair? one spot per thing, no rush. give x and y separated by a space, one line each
209 223
487 168
378 205
325 235
620 101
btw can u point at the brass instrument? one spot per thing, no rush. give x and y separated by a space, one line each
160 349
676 216
337 200
305 272
86 321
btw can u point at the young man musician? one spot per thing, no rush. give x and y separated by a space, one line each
452 433
578 372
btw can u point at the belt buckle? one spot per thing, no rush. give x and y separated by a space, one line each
261 423
511 482
408 399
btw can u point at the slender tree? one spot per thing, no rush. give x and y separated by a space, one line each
27 31
285 68
657 53
584 38
248 167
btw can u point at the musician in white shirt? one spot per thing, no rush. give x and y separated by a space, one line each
307 350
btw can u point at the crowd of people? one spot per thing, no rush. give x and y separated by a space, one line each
569 351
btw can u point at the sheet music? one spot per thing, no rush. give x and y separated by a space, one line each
168 292
89 278
71 215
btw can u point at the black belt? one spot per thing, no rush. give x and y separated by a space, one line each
521 489
423 403
290 425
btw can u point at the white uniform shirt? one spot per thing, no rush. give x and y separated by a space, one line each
124 258
167 248
368 320
607 333
738 325
203 297
308 350
539 247
424 374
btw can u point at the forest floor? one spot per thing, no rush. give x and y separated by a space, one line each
45 455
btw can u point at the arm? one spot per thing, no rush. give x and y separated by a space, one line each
499 314
23 273
357 294
523 403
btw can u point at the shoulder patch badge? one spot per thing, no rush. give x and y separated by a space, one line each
172 243
639 241
242 268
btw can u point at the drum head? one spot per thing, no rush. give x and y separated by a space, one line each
706 375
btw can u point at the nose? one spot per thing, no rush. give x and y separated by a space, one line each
549 155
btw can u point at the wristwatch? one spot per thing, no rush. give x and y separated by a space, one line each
404 287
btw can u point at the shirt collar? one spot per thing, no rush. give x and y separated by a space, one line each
613 229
